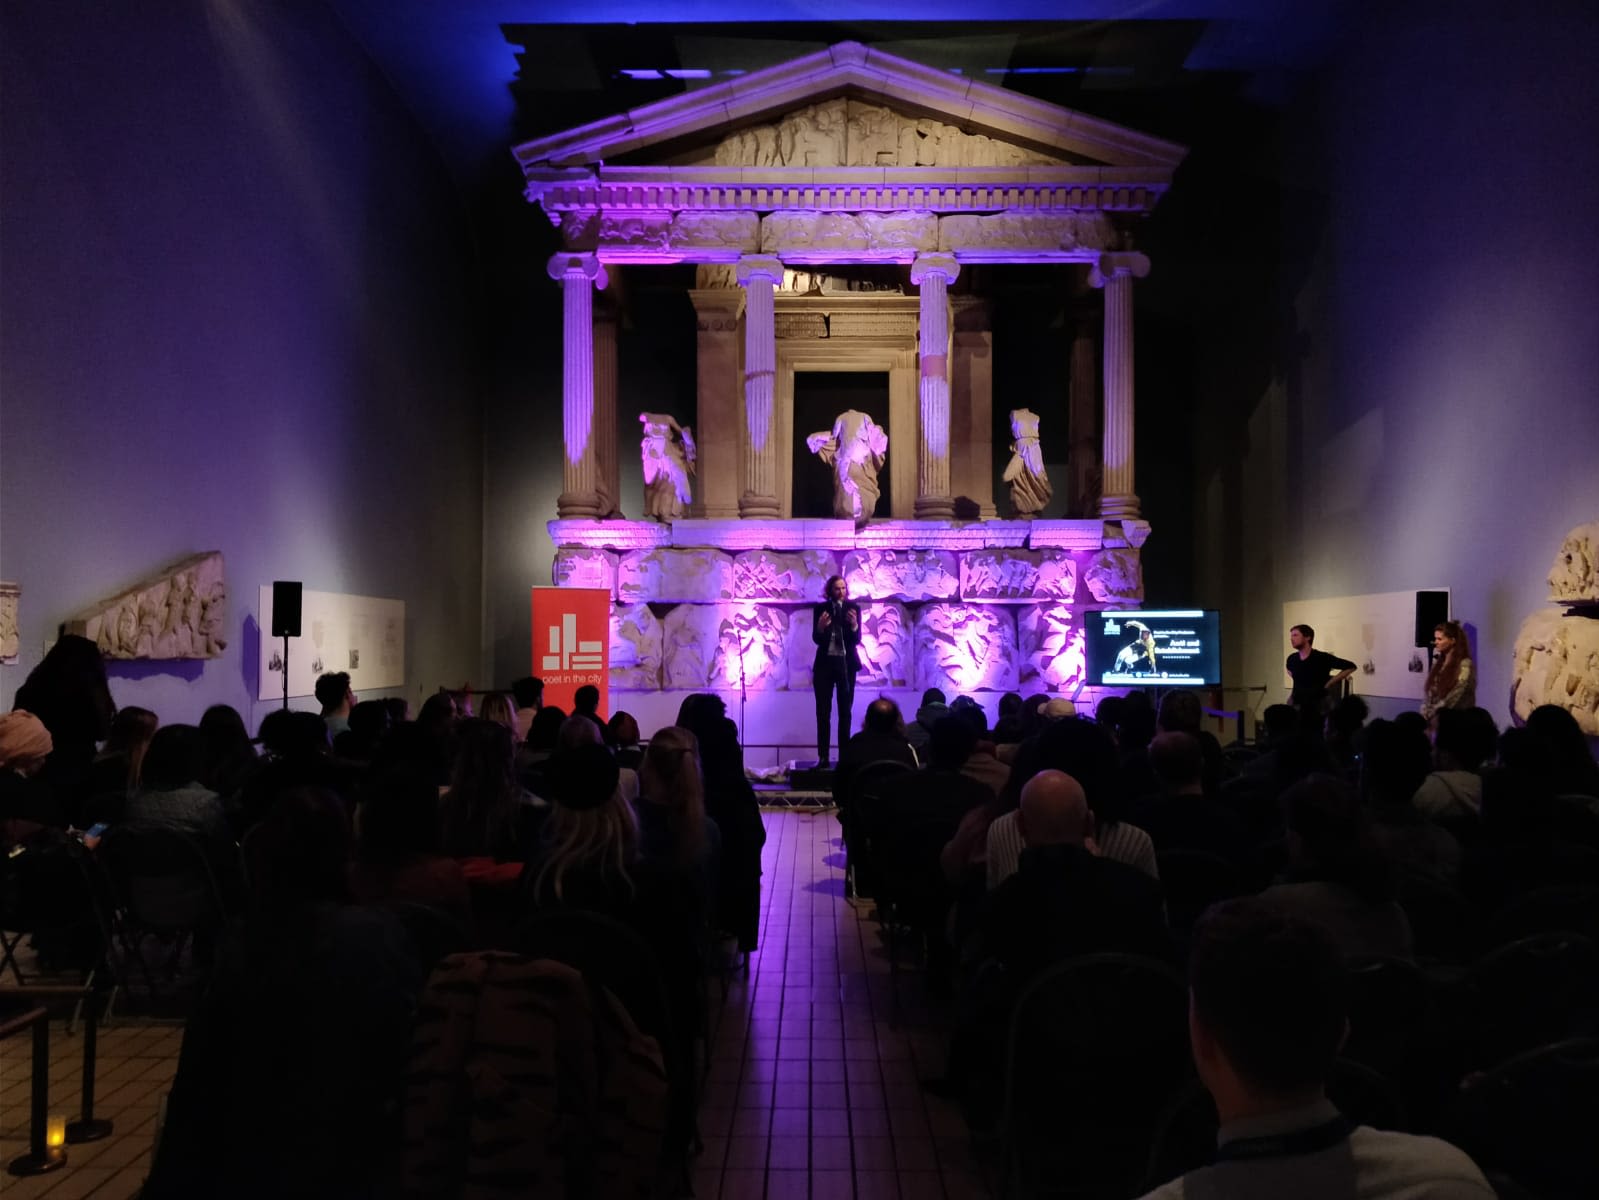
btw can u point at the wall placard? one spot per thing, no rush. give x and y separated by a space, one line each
1376 632
363 635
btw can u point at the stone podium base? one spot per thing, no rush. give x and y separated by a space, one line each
979 607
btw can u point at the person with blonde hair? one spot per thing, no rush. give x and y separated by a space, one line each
589 847
674 830
501 709
1452 682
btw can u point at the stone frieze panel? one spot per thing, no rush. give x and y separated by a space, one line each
888 658
670 575
795 577
1027 231
902 574
1557 662
759 634
1114 577
1053 655
585 567
179 613
966 647
1574 576
635 647
1017 576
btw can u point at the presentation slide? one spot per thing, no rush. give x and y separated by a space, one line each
1153 648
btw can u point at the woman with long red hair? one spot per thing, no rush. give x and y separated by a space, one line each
1452 682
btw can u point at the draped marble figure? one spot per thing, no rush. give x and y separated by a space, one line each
855 448
669 456
1029 482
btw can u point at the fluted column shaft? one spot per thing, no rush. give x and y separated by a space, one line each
579 275
1115 274
933 273
759 276
608 483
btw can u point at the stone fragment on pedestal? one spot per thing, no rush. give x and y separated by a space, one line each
792 578
760 633
887 646
963 648
669 576
1114 577
1557 662
635 648
1574 577
902 574
585 567
1051 646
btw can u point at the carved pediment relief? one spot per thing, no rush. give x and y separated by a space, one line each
700 230
853 133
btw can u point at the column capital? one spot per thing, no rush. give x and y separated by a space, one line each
1113 265
934 264
572 263
754 266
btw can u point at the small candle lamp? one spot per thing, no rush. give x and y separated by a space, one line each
55 1137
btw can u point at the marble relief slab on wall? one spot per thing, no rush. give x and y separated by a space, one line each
688 645
760 633
1114 577
887 646
800 650
585 567
671 576
10 637
902 574
635 647
966 647
1557 662
1052 651
180 612
1018 575
792 578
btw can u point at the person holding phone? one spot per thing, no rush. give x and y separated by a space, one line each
836 630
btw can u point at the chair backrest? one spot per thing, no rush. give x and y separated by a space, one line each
1096 1044
1570 908
1392 1006
161 877
1532 1117
1193 880
608 953
1441 921
435 934
1534 992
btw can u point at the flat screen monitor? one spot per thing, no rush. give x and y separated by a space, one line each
1153 648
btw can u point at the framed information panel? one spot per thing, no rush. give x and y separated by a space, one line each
364 635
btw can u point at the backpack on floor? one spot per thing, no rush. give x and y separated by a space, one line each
526 1080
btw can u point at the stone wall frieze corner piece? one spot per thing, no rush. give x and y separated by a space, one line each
177 613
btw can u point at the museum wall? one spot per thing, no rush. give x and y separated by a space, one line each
234 318
1414 404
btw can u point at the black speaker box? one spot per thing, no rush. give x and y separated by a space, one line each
285 609
1432 610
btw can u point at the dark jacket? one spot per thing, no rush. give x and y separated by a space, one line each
852 637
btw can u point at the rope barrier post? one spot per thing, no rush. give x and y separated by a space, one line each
87 1128
41 1158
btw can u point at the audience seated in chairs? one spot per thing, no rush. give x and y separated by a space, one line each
623 737
1181 815
1395 761
68 692
1267 1016
1084 750
578 730
227 758
1337 875
919 733
1452 794
171 792
116 772
290 1071
983 763
398 860
674 830
486 813
881 739
368 725
730 802
26 801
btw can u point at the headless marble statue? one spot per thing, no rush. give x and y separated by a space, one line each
855 448
669 454
1029 482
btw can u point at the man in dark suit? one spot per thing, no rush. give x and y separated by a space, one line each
836 630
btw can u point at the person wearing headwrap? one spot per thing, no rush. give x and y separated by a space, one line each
24 745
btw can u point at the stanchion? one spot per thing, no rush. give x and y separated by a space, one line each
87 1128
42 1158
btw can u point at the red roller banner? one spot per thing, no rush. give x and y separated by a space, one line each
572 642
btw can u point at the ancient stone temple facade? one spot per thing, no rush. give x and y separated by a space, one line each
802 192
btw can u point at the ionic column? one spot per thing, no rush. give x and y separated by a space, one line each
1115 274
608 482
579 274
933 273
759 275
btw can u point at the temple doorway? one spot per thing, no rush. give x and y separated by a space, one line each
819 396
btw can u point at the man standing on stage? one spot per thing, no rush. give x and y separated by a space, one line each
1310 669
836 630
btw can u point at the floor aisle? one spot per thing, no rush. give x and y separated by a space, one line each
814 1091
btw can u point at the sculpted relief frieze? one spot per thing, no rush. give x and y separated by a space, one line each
896 231
658 231
852 133
1054 231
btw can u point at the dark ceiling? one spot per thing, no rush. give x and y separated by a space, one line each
481 75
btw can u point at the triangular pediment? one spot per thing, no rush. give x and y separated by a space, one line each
850 105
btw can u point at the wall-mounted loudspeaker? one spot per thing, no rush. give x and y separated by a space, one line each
285 609
1432 610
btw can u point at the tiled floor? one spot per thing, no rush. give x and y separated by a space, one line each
813 1091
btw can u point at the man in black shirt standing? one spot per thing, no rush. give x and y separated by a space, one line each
1311 669
836 630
